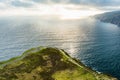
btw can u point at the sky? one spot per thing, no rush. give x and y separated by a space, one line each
62 8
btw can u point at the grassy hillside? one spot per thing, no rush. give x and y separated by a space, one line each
44 63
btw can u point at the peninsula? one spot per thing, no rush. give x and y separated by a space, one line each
46 63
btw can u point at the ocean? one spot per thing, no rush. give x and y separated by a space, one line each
94 43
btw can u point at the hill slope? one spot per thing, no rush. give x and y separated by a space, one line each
110 17
44 63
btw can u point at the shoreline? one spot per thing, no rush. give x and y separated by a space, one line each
74 64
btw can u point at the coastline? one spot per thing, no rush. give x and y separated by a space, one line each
56 62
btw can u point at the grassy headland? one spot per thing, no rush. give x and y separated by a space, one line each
45 63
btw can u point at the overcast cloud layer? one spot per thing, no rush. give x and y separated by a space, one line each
45 6
28 3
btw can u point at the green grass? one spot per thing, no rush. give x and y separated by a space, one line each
77 74
45 63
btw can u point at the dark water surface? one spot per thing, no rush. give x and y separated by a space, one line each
95 43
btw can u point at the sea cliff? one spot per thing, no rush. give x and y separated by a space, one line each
46 63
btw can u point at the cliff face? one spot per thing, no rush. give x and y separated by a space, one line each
110 17
47 64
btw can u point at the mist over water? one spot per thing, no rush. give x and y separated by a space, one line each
95 43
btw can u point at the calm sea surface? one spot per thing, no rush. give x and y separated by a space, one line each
95 43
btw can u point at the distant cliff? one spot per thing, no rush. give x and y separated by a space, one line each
110 17
45 63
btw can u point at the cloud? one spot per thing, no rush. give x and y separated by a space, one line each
83 2
20 3
64 8
29 3
61 11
